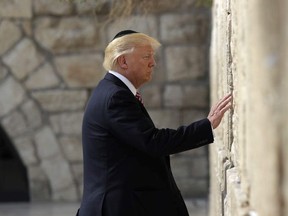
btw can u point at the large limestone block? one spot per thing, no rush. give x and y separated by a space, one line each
184 28
53 7
185 63
152 96
16 8
3 72
83 70
9 35
191 115
144 24
44 77
46 143
23 59
32 114
186 96
40 189
67 123
26 150
185 167
72 148
165 118
61 35
15 124
77 170
61 100
10 89
61 179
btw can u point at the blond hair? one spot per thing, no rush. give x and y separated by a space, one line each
124 45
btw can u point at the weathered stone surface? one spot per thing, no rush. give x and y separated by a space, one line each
44 77
173 96
21 65
83 70
53 7
26 26
14 124
10 89
186 96
92 7
185 63
184 167
9 33
77 170
3 72
40 189
167 5
61 100
66 194
16 8
61 35
192 115
32 114
195 96
192 187
142 24
46 144
165 118
72 148
26 150
67 123
152 96
197 207
61 178
184 28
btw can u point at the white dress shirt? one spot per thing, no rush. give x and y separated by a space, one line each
125 81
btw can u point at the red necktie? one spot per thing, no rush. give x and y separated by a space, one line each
138 96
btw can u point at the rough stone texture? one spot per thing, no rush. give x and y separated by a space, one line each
185 63
10 89
60 35
44 77
61 100
67 123
20 64
165 118
46 144
72 148
77 170
184 28
3 72
60 178
52 59
32 115
9 33
53 7
39 184
143 24
81 70
25 147
16 8
15 124
249 58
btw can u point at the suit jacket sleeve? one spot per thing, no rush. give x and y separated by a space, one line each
131 126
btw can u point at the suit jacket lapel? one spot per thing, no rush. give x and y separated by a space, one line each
118 82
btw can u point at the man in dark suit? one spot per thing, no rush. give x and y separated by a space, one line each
126 158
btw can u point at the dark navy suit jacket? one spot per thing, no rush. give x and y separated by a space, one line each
126 158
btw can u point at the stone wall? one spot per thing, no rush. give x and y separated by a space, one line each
248 161
51 58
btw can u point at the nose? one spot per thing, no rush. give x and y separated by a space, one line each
153 62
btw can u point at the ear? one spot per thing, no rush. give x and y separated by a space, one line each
121 60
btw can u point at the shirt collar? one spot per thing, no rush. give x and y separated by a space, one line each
125 81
